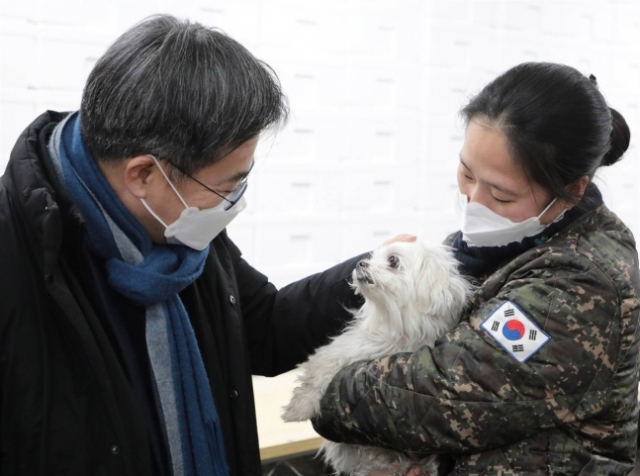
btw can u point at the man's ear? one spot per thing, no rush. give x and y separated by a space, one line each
139 173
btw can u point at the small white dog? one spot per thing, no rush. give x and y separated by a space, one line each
413 294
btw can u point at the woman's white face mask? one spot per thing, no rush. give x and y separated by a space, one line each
196 228
483 227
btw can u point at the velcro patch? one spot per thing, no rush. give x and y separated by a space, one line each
515 331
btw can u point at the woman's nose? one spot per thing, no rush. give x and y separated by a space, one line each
474 194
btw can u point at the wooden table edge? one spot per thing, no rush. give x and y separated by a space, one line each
289 449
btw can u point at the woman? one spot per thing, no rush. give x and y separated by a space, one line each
541 375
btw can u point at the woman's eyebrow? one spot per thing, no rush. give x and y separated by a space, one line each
491 184
502 189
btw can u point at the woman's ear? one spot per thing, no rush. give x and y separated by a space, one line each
578 187
139 174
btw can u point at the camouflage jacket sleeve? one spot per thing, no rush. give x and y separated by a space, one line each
467 393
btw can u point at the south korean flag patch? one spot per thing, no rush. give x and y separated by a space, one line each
514 331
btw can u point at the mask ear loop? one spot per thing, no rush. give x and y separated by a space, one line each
169 181
154 214
546 209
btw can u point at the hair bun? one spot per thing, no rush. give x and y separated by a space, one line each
620 137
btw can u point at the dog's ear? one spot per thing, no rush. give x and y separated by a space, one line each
441 291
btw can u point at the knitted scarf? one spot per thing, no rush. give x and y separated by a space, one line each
151 275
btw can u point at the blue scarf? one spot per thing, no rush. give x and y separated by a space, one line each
151 275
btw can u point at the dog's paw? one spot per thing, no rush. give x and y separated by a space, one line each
296 413
303 406
357 460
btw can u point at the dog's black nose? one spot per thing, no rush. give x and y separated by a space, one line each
363 264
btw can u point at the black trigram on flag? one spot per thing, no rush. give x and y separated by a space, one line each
495 326
518 348
533 334
509 312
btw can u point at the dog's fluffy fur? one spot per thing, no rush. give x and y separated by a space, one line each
413 295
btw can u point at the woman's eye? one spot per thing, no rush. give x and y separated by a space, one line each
394 261
468 177
502 201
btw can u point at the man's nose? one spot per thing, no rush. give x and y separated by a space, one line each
363 264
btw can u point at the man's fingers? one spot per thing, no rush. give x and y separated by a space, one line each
407 238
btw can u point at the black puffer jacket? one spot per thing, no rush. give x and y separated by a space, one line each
67 403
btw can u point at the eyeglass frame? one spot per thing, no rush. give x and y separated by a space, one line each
233 197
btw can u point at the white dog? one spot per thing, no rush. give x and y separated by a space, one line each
413 294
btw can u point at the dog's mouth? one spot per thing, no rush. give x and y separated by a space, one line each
363 276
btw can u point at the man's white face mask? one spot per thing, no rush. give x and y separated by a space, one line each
196 228
483 227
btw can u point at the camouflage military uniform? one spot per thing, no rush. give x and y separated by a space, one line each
571 408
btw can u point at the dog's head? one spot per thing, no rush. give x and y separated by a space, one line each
414 285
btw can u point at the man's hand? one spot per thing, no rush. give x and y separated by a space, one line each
407 238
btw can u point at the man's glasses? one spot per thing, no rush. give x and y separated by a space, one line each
233 197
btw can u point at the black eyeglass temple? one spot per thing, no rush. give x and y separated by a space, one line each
232 202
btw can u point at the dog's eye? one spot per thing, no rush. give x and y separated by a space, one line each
394 261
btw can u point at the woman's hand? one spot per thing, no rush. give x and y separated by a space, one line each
384 472
413 471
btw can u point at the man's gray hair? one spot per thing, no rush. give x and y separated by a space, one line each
180 91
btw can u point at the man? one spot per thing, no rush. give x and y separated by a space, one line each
129 323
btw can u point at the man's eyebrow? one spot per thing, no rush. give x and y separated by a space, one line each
237 177
491 184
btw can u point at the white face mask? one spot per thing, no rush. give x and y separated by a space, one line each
196 228
483 227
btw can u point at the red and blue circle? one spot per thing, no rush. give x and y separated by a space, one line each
513 329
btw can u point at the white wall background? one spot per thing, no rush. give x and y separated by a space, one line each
374 85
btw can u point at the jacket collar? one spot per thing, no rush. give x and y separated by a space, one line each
39 201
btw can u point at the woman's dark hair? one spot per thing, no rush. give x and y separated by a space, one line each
557 123
180 91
